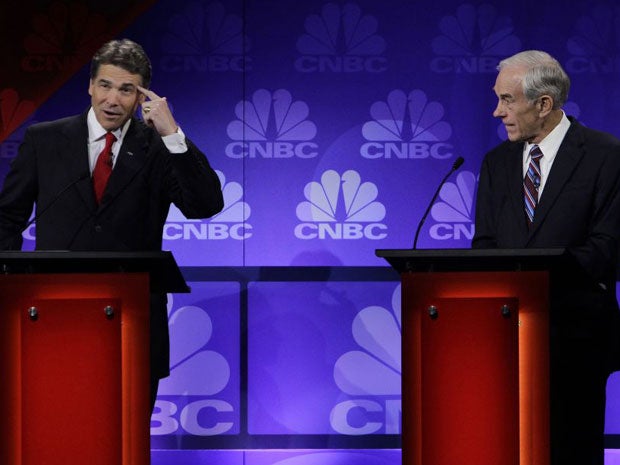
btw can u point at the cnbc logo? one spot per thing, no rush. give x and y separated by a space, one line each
188 399
453 212
54 45
340 207
595 42
230 223
406 126
341 40
271 125
205 38
371 374
474 40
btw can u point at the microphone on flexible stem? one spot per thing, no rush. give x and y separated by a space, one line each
455 166
51 203
57 197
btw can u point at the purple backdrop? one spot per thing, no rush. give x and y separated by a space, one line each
330 124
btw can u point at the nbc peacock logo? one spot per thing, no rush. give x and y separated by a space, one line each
197 375
371 374
595 42
453 212
340 207
230 223
407 126
341 39
205 38
272 125
62 37
473 40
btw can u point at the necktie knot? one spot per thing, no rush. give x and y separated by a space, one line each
110 138
535 153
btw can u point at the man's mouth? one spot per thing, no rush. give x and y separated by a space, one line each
111 114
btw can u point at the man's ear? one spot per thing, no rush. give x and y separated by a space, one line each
545 105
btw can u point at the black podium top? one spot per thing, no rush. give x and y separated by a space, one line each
409 260
165 275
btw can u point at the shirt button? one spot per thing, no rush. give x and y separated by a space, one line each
98 228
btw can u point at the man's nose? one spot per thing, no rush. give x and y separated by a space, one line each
498 112
113 96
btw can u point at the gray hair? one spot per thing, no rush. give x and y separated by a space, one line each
544 76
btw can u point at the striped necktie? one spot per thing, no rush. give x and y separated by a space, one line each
531 183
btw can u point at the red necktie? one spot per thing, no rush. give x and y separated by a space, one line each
103 167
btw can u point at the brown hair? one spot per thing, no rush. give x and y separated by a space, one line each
125 54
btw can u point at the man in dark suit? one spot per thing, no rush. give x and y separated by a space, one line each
152 165
569 197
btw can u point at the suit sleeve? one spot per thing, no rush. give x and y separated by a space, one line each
193 185
485 235
598 255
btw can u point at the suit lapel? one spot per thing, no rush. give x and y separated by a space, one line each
515 187
75 158
131 158
568 157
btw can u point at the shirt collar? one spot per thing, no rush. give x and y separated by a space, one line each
551 143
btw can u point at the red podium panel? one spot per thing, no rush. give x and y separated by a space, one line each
469 382
76 366
74 351
74 355
475 328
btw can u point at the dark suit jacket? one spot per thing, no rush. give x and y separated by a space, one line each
579 210
51 170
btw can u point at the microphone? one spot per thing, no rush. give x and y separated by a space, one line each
455 166
51 203
56 198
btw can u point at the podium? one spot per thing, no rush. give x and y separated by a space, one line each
74 355
475 350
